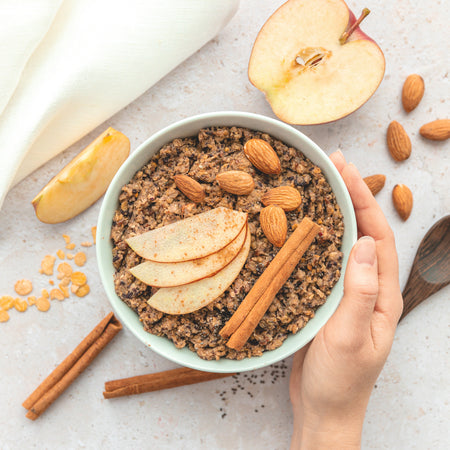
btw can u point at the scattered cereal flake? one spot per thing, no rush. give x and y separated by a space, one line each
56 294
65 269
78 278
51 282
42 304
6 302
94 233
64 290
80 259
70 246
74 288
86 244
83 290
60 253
45 293
31 300
4 316
47 264
23 287
65 281
20 305
66 238
70 256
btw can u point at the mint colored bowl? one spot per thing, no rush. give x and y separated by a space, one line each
190 127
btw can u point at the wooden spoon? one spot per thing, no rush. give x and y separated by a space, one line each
431 267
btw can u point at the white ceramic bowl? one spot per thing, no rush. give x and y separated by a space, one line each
190 127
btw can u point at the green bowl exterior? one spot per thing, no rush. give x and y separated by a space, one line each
190 127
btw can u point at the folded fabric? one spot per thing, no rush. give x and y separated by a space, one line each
68 65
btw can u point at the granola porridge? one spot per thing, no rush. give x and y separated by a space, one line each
151 199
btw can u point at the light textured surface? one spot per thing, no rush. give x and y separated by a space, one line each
409 408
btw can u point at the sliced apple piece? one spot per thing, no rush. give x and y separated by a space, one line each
177 274
84 180
314 63
193 296
192 238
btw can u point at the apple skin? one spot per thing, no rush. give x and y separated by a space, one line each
357 34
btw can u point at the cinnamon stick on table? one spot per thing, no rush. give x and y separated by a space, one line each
158 381
61 378
255 304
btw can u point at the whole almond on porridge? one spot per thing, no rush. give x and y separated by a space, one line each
236 182
398 141
438 130
412 93
261 154
285 197
273 222
375 183
403 200
190 188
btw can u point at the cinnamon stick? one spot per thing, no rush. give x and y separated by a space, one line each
158 381
63 376
251 320
258 289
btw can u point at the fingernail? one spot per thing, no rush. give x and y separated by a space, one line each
365 251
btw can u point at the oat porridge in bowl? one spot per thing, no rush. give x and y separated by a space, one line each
191 225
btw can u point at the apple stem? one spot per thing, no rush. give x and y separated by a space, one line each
346 34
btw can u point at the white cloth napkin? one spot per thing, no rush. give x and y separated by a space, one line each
68 65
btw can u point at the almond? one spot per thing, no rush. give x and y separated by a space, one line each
398 142
285 197
412 93
274 224
261 154
236 182
375 183
190 188
403 200
438 130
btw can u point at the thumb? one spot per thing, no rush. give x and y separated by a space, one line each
360 286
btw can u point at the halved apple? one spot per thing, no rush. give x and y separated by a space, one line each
177 274
84 180
192 238
313 62
193 296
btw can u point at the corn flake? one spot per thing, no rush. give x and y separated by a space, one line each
78 278
6 302
56 294
4 316
80 259
60 253
23 287
83 290
47 264
42 304
20 305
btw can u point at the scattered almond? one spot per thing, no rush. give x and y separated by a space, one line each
261 154
190 188
285 197
398 141
23 287
403 200
274 224
412 93
438 130
375 183
236 182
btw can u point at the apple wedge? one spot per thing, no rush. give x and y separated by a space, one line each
192 238
177 274
84 180
313 62
193 296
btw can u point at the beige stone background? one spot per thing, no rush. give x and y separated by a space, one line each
409 408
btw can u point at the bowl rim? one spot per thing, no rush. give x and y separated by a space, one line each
162 345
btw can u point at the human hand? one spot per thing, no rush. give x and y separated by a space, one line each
332 378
